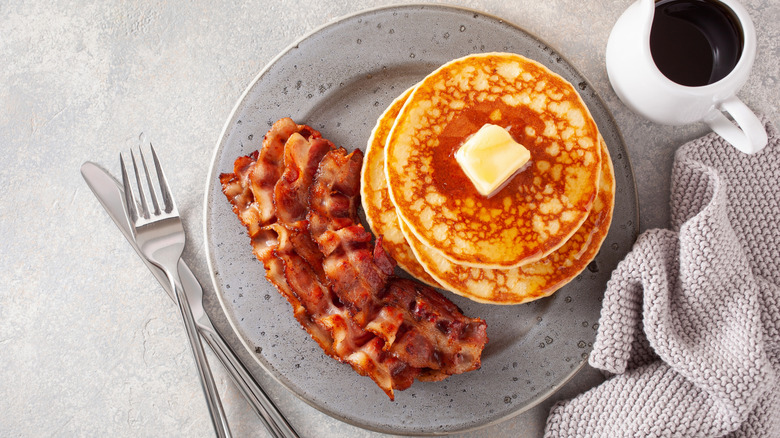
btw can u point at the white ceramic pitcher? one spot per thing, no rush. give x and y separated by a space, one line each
643 87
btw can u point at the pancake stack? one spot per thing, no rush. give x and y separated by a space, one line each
521 243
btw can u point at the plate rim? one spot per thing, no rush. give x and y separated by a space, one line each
212 172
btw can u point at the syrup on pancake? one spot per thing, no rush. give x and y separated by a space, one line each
540 208
534 280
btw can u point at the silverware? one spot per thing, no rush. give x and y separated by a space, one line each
159 233
110 194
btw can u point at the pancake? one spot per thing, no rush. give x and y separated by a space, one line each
380 211
535 280
540 208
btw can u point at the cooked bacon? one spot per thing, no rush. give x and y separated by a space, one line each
269 166
418 325
341 287
264 243
236 188
346 245
293 263
250 189
304 271
301 158
435 330
334 195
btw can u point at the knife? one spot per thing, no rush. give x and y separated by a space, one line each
111 196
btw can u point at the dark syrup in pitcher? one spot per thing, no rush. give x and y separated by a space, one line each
695 42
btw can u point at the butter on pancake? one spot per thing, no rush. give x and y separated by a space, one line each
380 211
537 211
534 280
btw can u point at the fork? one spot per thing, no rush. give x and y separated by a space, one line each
159 234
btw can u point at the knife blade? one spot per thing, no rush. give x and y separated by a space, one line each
110 194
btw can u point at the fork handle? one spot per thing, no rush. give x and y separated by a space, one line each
217 412
262 405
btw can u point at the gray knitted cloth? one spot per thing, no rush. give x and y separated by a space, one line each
689 333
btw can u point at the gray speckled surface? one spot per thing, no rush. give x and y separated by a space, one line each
91 346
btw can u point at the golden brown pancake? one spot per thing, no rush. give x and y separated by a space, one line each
540 208
534 280
380 211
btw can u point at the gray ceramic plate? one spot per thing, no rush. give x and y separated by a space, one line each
339 79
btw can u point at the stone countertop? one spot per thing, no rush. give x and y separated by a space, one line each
90 344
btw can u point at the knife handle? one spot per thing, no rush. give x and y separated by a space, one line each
269 414
258 399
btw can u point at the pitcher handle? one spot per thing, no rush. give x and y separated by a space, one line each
748 135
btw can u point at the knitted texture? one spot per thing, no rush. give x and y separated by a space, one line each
690 325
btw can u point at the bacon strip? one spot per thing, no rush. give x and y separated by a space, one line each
265 242
250 189
418 325
292 261
333 224
269 166
340 287
304 272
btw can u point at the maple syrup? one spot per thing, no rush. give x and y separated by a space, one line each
695 42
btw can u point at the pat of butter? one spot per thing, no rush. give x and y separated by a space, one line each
490 157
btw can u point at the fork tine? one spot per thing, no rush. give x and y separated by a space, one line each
129 195
170 206
149 184
144 205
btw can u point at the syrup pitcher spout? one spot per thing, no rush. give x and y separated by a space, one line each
678 62
628 55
